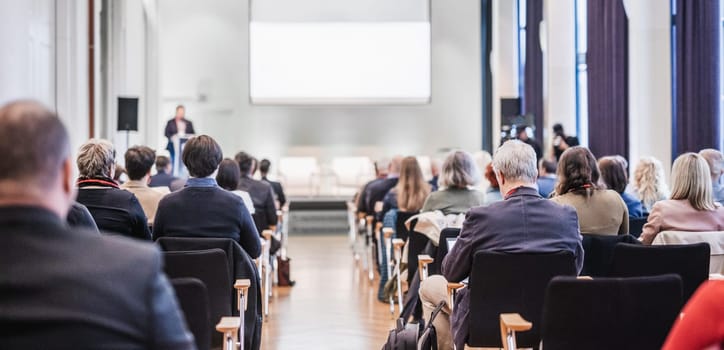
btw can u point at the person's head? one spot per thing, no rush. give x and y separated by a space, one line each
412 190
395 165
139 161
547 167
577 171
521 132
459 171
264 166
383 167
648 181
163 164
35 168
435 167
715 160
515 164
180 112
246 163
691 180
201 155
120 175
229 175
490 176
96 158
558 130
613 173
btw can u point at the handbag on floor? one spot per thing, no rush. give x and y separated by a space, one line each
283 272
404 336
428 339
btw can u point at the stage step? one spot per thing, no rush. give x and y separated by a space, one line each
318 217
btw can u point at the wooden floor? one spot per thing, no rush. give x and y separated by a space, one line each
332 306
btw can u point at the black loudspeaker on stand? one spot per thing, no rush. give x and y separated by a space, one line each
127 115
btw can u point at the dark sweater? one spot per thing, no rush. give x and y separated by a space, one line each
116 211
206 212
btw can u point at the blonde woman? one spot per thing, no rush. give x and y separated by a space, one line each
648 183
411 191
691 207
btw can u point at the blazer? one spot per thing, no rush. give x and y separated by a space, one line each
172 129
524 222
206 212
603 213
63 288
162 179
116 211
278 190
262 195
376 193
362 198
679 215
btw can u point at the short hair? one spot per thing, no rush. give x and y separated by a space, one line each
490 176
459 171
180 107
715 159
691 180
558 128
577 172
96 158
549 165
139 161
229 175
516 160
33 143
613 173
246 162
201 155
264 166
162 162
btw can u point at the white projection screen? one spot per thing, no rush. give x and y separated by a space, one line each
381 56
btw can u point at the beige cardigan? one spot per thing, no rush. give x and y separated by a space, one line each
603 213
679 215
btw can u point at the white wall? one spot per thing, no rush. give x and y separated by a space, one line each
504 58
204 65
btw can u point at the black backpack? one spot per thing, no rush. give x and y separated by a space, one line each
414 336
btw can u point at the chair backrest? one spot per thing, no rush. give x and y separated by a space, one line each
636 225
194 302
436 267
505 283
416 244
715 239
689 261
241 266
401 230
210 267
598 255
610 313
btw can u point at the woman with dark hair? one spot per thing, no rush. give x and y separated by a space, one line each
600 211
228 177
614 176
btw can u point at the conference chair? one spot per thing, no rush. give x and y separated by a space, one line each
266 269
506 283
229 326
715 239
416 245
401 230
636 225
193 300
435 267
370 254
603 313
598 255
689 261
240 267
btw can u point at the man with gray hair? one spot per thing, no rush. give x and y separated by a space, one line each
523 222
715 159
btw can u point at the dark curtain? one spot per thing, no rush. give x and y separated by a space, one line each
607 61
533 89
486 45
696 76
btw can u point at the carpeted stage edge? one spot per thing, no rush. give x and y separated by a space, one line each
318 216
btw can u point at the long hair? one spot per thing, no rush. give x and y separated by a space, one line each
613 173
648 182
577 172
691 180
412 190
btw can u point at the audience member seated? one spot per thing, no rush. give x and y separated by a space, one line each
547 177
120 175
691 207
435 170
163 175
64 287
377 191
264 166
614 176
649 184
114 210
80 217
139 161
261 193
600 211
701 323
456 194
522 135
562 142
381 168
492 194
411 190
715 159
202 208
523 222
228 177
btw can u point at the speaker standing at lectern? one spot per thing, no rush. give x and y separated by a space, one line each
177 127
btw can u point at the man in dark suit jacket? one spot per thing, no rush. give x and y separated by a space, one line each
62 287
163 175
202 208
264 166
523 222
177 125
261 193
376 192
